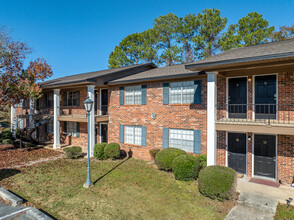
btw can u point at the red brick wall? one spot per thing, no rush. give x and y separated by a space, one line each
182 116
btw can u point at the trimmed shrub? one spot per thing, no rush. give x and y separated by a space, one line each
7 130
112 151
73 152
30 145
165 158
6 134
99 151
154 152
217 182
202 159
7 141
185 167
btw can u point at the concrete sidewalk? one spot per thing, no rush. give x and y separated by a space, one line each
281 194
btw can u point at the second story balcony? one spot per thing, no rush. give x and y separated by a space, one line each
261 118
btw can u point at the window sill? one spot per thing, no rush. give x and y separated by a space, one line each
133 145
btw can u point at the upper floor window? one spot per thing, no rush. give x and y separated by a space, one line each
182 139
182 92
49 99
21 104
72 98
133 135
133 95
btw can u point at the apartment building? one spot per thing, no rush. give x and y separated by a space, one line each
237 107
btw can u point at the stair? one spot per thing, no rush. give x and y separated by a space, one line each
253 206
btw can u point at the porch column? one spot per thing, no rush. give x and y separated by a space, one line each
13 121
56 124
211 118
91 132
32 110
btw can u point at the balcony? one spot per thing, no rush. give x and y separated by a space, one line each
259 118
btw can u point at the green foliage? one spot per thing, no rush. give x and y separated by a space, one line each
165 158
117 58
202 159
284 212
7 141
112 151
99 151
6 134
30 145
73 152
250 30
217 182
7 130
154 152
185 167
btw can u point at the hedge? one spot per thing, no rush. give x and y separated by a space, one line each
99 151
112 151
73 152
185 167
217 182
165 158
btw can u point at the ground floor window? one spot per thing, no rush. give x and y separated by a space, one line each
21 123
72 129
133 135
182 139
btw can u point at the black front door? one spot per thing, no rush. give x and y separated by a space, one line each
103 132
265 155
265 97
237 97
237 152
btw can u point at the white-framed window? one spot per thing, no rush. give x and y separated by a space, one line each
73 98
72 129
21 104
133 95
21 123
50 127
133 135
182 92
49 100
182 139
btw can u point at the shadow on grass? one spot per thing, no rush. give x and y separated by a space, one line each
123 155
6 173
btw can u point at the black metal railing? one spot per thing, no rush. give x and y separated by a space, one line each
259 113
103 109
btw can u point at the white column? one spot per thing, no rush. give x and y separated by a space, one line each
211 118
56 124
91 126
13 121
32 110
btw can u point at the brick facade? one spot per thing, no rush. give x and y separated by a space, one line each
182 116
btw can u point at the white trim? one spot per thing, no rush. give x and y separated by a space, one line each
276 159
91 125
227 149
227 94
253 93
56 123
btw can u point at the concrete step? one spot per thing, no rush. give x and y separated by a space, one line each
258 201
242 212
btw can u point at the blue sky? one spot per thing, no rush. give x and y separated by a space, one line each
77 36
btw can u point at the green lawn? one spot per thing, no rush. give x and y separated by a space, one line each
124 189
284 212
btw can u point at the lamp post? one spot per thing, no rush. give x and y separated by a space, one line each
88 106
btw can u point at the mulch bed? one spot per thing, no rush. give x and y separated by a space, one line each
12 156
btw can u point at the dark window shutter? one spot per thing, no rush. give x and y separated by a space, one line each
121 134
78 98
121 95
165 138
65 128
64 99
197 92
23 103
46 100
144 94
144 136
165 93
197 141
46 128
78 129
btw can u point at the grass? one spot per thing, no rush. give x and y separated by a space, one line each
284 212
123 189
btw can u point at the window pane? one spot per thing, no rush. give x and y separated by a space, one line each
133 95
182 92
129 134
138 135
182 139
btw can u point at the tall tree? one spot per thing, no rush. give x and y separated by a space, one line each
211 25
284 32
150 50
167 27
189 26
17 83
250 30
118 58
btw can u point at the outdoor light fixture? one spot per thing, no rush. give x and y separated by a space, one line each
249 137
88 106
